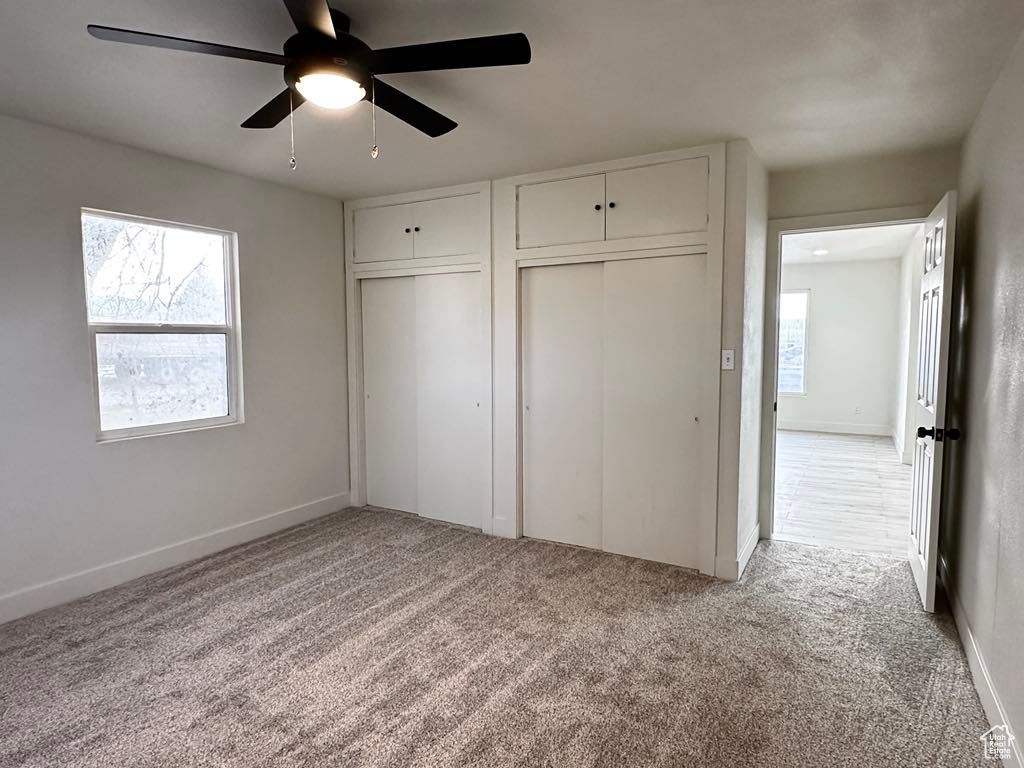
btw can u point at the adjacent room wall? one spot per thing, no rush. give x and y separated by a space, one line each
78 516
906 348
850 362
870 183
982 539
742 331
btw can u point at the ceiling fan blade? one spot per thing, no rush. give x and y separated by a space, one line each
415 113
311 16
181 44
275 110
493 51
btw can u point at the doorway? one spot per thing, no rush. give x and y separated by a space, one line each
845 345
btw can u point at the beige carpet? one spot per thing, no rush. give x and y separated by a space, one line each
379 639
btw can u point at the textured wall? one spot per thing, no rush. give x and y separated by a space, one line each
69 504
742 309
983 527
886 181
853 320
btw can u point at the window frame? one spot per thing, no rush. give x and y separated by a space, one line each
230 331
807 340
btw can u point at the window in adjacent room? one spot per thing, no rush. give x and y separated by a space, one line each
162 325
793 342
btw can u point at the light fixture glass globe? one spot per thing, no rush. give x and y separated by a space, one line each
330 90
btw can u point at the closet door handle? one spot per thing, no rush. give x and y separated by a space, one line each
611 205
407 230
597 207
415 229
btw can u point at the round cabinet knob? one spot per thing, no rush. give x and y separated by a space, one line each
611 205
597 207
407 230
415 229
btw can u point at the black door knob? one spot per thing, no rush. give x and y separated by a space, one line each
415 229
407 230
611 205
597 207
922 432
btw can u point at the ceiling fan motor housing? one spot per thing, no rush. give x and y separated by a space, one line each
313 53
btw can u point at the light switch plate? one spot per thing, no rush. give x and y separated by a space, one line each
728 359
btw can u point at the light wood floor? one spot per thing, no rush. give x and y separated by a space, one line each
845 491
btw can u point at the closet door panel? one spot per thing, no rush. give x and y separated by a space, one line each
389 371
448 226
663 199
561 212
380 233
562 402
654 335
448 381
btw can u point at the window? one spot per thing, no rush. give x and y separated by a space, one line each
793 342
161 312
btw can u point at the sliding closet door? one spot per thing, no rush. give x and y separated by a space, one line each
562 402
653 340
389 371
448 396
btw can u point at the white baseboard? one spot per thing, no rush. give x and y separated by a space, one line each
904 451
75 585
731 570
983 683
835 427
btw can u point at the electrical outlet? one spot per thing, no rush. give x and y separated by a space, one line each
728 359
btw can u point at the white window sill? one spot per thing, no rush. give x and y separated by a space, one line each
161 430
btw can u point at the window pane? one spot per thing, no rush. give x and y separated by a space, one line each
158 378
138 272
792 342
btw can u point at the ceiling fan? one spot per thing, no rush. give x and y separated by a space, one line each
327 65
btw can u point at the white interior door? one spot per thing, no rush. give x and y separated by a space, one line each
936 267
563 375
389 371
653 338
451 453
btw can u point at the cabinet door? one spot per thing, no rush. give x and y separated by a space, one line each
451 448
449 226
389 375
664 199
561 212
380 233
562 403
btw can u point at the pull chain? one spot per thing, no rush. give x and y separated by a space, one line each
293 163
374 150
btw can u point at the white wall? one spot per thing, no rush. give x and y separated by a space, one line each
76 516
982 537
851 347
742 330
886 181
906 348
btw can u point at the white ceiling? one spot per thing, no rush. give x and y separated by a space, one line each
859 244
805 80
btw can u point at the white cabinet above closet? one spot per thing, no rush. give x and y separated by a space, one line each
562 211
423 229
667 198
